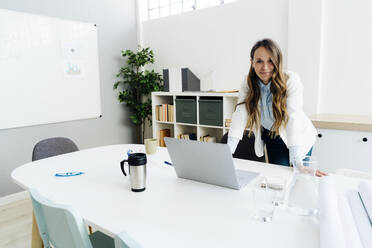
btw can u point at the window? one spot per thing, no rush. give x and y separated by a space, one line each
161 8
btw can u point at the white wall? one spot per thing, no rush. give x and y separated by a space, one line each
217 39
347 79
304 47
327 42
116 25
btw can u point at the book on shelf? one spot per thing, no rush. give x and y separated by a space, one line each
164 112
156 112
159 112
187 136
163 133
170 113
208 138
227 122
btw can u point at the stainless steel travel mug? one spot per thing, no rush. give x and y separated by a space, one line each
137 171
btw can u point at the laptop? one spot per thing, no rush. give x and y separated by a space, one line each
210 163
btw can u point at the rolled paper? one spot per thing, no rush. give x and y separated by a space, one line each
365 191
361 218
331 231
352 237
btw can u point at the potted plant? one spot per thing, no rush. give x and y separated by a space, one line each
137 84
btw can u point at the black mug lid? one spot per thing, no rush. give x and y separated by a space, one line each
137 159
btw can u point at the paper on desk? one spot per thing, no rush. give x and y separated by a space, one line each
361 218
365 191
331 230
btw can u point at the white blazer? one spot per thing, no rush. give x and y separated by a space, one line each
299 130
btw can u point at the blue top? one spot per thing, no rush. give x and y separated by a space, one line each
267 117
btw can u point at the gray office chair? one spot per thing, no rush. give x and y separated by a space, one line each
53 147
245 148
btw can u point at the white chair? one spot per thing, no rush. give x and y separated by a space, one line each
61 226
129 242
354 173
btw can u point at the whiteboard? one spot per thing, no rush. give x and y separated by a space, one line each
49 70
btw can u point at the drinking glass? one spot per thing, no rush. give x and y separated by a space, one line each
306 166
278 185
263 203
303 195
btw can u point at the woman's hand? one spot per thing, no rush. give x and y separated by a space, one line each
319 173
308 170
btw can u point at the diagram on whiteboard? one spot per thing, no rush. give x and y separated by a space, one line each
74 53
73 69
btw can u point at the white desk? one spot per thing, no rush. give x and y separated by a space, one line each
172 212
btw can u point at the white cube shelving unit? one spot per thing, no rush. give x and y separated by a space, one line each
229 102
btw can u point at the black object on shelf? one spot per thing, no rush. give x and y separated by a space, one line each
190 82
186 109
166 79
193 136
211 111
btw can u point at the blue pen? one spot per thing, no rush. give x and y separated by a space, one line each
69 174
168 163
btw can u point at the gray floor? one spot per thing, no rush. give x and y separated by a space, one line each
15 224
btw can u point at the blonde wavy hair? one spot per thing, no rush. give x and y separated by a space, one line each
278 89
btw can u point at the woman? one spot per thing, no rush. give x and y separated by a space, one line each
270 106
